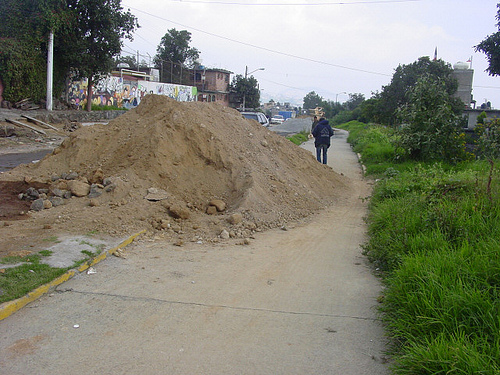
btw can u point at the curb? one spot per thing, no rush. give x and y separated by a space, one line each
10 307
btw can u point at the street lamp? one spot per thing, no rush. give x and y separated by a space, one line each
246 75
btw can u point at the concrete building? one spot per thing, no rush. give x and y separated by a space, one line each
464 75
212 84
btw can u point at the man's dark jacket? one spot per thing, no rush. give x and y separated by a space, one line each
322 133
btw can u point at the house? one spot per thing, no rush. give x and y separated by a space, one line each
464 75
212 84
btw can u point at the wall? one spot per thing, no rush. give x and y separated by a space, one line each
126 92
472 114
1 91
464 90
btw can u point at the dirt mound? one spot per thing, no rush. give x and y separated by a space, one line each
193 154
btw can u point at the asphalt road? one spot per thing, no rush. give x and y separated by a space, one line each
292 126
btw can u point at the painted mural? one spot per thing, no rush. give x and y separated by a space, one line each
118 92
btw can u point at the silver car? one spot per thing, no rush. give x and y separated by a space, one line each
257 116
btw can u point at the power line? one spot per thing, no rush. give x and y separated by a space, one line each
487 87
294 4
266 49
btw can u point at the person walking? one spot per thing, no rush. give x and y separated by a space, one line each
322 134
315 122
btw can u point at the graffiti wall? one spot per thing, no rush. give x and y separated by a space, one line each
119 92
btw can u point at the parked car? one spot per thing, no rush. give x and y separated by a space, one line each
257 116
277 119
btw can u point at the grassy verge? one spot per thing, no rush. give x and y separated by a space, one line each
299 138
434 233
31 272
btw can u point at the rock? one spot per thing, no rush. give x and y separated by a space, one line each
251 225
179 212
32 193
264 143
224 234
70 176
211 210
79 188
93 203
109 188
47 203
97 177
155 195
95 191
59 184
37 205
56 201
219 204
107 181
235 218
57 192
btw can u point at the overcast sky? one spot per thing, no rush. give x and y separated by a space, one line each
331 47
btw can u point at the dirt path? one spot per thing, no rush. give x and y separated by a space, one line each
295 301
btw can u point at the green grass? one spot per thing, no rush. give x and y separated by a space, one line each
434 233
299 138
15 282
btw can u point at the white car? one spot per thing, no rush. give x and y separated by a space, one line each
277 119
257 116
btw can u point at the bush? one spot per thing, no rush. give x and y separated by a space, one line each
21 71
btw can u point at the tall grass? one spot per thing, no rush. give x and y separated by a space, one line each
434 232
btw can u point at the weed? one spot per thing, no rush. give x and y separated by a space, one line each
433 232
52 239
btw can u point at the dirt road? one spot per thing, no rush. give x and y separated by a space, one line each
294 301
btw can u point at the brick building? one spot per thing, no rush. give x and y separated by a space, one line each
212 84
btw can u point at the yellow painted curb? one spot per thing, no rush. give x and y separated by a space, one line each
10 307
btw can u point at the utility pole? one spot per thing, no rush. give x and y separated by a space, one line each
244 92
50 69
246 75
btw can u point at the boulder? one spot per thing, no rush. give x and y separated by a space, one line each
219 204
179 212
235 218
79 188
37 205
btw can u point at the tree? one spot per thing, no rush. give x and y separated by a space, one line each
312 100
99 27
247 88
24 29
491 48
173 53
405 77
431 129
354 101
88 35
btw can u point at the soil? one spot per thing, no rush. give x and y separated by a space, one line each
188 154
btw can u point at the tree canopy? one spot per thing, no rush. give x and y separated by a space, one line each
173 53
431 129
312 100
490 46
405 77
246 90
88 34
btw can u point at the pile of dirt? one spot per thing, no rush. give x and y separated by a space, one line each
190 158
